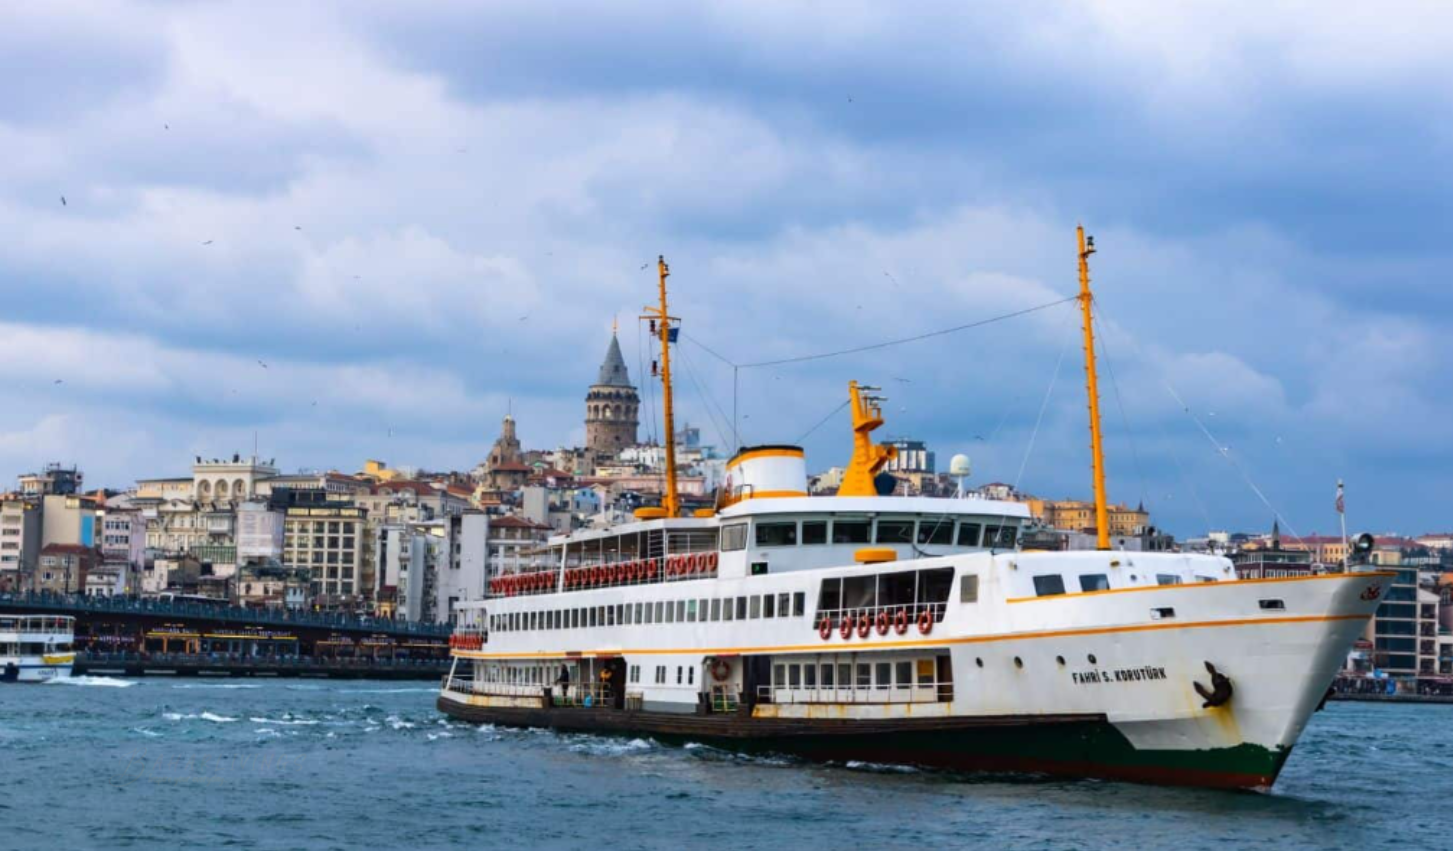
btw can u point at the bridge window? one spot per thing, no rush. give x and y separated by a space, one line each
850 532
938 532
1000 537
776 534
895 531
969 534
1049 585
814 531
1094 582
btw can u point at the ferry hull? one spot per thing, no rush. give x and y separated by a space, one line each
1063 745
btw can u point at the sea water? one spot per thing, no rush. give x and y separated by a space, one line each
283 764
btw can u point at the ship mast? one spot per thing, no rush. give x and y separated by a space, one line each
1092 388
662 320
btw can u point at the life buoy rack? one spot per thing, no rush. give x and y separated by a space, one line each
824 629
925 621
865 625
882 623
721 669
900 623
846 627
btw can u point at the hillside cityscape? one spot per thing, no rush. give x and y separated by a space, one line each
407 544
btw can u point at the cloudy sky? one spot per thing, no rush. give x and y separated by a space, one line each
363 230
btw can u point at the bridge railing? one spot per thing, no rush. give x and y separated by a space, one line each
237 660
231 614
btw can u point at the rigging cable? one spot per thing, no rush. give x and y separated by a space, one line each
1125 420
1221 449
1054 379
822 422
710 402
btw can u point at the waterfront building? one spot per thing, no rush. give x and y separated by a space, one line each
1079 516
910 456
63 568
20 542
123 550
1272 561
52 480
612 406
327 542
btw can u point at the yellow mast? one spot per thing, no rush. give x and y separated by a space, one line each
1092 387
868 457
670 504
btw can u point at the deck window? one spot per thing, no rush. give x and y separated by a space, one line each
779 675
680 611
734 537
859 592
1049 585
784 604
1094 582
809 676
794 676
938 532
741 608
769 606
660 611
799 603
727 609
934 585
827 678
1167 579
670 613
849 531
969 588
777 534
814 531
690 611
716 610
895 531
903 674
756 606
830 595
898 589
650 613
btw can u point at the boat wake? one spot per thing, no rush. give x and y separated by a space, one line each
88 680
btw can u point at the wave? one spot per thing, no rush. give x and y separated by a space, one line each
205 716
217 685
89 680
286 720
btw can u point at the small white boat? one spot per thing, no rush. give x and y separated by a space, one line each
36 648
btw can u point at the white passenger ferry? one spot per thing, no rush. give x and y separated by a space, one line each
905 630
36 648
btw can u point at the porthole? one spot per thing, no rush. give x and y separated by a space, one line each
1018 663
1060 659
1091 657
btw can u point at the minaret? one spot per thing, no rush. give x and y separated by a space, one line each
612 406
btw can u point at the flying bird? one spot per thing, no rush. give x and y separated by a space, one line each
208 242
904 380
297 227
63 200
59 381
166 126
523 318
261 364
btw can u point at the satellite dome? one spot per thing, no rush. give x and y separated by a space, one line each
959 466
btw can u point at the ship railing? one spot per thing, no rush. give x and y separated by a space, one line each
923 691
912 611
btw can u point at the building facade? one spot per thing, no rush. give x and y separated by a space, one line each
20 528
326 543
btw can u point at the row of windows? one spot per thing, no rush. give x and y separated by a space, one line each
941 532
1051 584
902 674
756 606
899 588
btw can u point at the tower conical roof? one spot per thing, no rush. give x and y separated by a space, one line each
613 369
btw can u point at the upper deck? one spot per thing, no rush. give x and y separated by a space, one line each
37 625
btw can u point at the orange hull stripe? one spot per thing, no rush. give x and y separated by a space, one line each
928 642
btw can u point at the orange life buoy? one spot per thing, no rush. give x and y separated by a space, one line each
925 622
824 629
865 625
900 623
846 627
594 573
720 669
882 623
699 561
672 565
711 562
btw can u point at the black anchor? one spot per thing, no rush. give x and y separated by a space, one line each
1220 690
